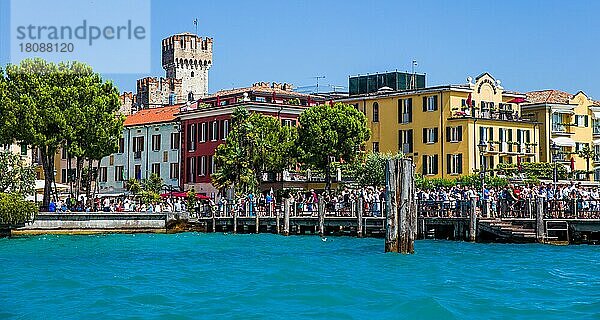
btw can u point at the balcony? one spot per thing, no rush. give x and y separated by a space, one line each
487 114
596 130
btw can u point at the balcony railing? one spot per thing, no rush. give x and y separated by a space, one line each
137 154
557 127
504 115
596 130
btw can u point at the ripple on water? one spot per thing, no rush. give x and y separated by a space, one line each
196 275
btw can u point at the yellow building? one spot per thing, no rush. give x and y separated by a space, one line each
438 128
572 122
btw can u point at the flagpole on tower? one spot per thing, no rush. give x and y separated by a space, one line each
196 25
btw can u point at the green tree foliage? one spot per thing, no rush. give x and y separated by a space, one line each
255 145
328 132
153 183
15 210
532 170
371 172
471 180
15 175
47 106
133 185
587 153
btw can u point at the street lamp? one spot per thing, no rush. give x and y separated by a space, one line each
482 147
554 149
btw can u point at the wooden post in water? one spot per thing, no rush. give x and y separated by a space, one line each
277 212
473 220
401 207
359 216
539 219
234 213
391 208
256 221
214 221
286 217
321 209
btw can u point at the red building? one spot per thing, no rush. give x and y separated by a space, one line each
205 125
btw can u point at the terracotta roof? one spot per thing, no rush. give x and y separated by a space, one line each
548 96
153 115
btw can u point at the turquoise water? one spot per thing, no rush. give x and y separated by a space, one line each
190 275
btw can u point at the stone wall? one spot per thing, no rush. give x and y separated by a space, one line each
104 221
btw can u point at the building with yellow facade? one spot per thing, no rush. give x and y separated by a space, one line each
572 123
440 127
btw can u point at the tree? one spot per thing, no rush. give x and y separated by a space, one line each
255 145
587 153
15 175
15 210
48 106
371 172
329 133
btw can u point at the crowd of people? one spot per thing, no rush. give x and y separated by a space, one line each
447 201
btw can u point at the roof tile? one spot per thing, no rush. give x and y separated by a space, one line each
153 115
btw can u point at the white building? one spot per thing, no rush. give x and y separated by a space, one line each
150 144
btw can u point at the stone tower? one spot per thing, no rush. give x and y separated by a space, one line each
188 57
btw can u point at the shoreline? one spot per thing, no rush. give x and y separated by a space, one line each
35 232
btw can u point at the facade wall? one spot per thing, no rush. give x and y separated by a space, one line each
139 164
391 127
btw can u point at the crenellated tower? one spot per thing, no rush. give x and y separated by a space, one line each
188 57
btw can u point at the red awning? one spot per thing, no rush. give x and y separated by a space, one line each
517 100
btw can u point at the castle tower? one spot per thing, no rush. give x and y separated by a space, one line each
188 57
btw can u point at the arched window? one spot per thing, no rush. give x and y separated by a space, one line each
190 96
375 112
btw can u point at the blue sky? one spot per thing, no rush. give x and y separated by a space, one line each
529 45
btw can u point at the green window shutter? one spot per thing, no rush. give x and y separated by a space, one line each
424 135
410 110
435 164
586 121
399 110
448 164
447 134
424 104
435 102
460 133
424 164
410 140
23 149
460 171
435 135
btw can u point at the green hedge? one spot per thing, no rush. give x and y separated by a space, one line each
471 180
15 210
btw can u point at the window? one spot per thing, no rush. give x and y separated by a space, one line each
190 169
430 135
581 121
375 112
174 172
215 130
557 123
213 165
454 163
375 147
102 174
579 146
165 156
138 171
111 159
225 129
430 164
486 134
121 145
405 141
23 149
155 142
119 173
405 110
175 140
156 169
201 166
430 103
63 153
288 123
138 144
596 126
454 134
202 132
192 137
63 176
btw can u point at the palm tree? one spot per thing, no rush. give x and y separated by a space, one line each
587 153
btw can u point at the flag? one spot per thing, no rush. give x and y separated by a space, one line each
469 101
572 164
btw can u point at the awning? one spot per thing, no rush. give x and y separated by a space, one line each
39 185
596 114
564 142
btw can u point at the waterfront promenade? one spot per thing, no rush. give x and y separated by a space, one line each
564 221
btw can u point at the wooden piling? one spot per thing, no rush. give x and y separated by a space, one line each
539 219
321 210
391 209
407 207
234 214
277 224
473 220
359 217
286 217
256 221
401 207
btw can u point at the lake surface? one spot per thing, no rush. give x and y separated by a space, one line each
194 275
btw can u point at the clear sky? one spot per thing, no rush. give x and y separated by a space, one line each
529 45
